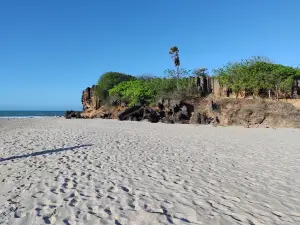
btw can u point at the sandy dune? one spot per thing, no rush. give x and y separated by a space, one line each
56 171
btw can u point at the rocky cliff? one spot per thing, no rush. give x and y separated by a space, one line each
215 108
205 86
89 99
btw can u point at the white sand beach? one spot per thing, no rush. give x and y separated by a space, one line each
57 171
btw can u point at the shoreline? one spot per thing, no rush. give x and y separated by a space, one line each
28 117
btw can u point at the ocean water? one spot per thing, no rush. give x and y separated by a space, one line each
29 114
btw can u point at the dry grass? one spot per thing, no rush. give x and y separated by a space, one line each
294 102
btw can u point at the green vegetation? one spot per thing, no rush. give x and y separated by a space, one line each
109 80
147 90
258 76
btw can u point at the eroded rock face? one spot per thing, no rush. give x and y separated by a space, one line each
89 99
167 111
210 110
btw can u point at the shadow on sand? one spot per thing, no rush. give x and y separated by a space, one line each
43 152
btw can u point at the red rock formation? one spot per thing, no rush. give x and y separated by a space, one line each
89 99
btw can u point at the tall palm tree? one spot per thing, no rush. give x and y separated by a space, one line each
174 52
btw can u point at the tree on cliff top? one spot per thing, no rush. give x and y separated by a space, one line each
109 80
174 52
201 72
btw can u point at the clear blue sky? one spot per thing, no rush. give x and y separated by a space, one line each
51 50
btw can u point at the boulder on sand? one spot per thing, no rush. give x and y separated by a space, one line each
74 114
151 115
130 113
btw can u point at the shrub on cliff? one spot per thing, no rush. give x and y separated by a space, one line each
148 90
132 92
109 80
258 75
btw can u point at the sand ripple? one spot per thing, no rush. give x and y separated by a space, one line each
56 171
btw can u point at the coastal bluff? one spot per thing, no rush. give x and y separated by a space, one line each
215 109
